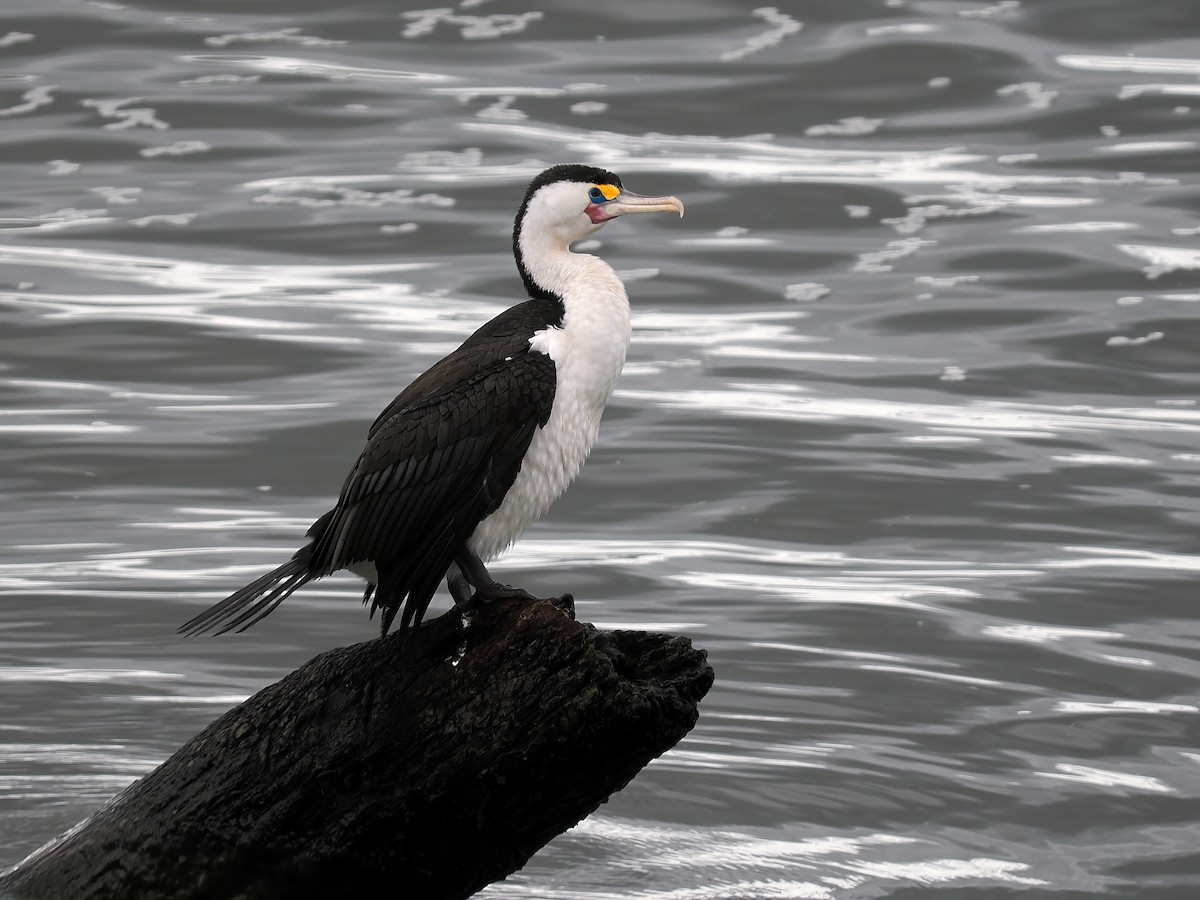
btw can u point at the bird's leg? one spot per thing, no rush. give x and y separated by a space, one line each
487 589
460 588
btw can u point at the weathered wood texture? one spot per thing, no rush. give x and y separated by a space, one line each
418 766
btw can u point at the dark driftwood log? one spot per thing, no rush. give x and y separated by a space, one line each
418 766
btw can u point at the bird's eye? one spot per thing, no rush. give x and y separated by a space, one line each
596 195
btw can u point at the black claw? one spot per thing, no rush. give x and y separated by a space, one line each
490 593
473 574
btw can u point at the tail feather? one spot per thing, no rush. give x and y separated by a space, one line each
247 605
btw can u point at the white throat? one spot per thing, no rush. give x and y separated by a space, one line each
589 348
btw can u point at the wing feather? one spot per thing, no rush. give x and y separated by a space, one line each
433 468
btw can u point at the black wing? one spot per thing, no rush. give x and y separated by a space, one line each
438 461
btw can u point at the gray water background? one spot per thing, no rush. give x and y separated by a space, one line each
907 439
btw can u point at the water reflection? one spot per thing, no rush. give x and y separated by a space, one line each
725 863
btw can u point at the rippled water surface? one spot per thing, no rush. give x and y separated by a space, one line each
908 437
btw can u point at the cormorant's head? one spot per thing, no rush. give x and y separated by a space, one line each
565 204
569 202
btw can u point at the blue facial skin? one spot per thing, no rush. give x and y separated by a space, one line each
596 196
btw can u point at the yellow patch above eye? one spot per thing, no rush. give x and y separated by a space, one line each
609 191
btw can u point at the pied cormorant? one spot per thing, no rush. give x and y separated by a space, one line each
475 450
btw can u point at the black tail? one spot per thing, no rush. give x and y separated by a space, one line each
261 596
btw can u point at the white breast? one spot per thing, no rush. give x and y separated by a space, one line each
588 352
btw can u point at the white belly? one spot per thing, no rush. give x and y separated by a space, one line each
555 457
586 373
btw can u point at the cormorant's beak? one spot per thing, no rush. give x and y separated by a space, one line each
627 202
